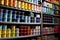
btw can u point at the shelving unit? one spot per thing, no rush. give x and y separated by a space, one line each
30 18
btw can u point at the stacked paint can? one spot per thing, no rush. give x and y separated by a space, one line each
8 34
13 31
4 31
17 32
0 31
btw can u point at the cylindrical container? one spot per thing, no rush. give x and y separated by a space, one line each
6 2
22 5
3 33
38 8
14 3
2 2
13 31
17 32
13 27
37 18
5 15
11 3
1 15
0 31
29 6
8 34
27 19
10 16
25 6
4 27
38 38
33 7
18 19
13 34
14 16
19 4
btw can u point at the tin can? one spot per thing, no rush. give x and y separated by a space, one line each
30 7
38 8
13 34
1 15
19 4
15 3
4 27
33 7
26 6
4 33
22 5
11 3
2 2
13 27
8 34
17 32
6 2
10 16
0 33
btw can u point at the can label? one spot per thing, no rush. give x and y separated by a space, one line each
4 34
19 4
22 5
2 2
33 7
6 2
0 33
30 6
11 3
13 34
8 34
13 27
15 3
4 27
17 31
13 31
26 6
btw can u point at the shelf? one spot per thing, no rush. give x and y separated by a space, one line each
52 3
18 9
51 23
20 23
48 23
51 14
50 34
20 37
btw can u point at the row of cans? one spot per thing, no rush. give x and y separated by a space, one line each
54 1
51 5
13 31
21 5
47 10
8 32
27 30
17 16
